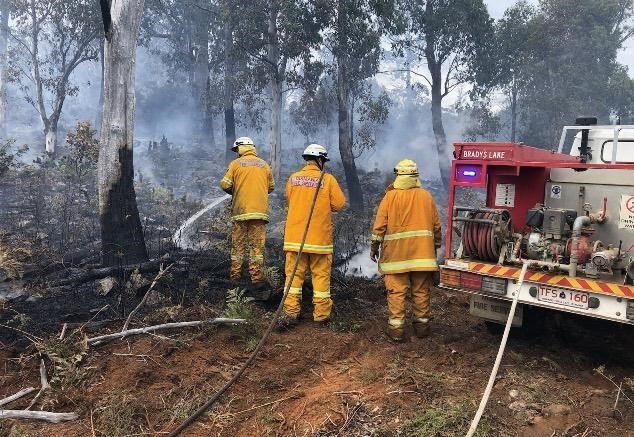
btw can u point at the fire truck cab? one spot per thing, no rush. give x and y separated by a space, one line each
569 216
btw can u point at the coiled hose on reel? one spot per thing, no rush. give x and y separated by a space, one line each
484 232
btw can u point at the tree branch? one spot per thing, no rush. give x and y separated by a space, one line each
37 415
406 70
149 329
16 396
162 272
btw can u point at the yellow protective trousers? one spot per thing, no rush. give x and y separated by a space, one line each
247 243
397 287
319 266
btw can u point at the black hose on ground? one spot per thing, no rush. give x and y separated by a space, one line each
191 419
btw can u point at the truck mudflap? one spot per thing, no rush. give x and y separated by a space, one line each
582 296
494 309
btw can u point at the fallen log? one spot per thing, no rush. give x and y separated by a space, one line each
73 259
149 329
37 415
94 274
16 396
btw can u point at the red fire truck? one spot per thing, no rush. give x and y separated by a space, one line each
570 216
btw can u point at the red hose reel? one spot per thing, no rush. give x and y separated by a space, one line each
484 232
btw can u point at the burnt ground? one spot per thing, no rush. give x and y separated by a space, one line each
346 379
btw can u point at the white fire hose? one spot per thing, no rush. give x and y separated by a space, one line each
498 359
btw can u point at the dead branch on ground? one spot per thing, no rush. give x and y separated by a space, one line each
162 272
37 415
44 385
16 396
149 329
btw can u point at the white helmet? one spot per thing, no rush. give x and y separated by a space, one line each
315 151
242 141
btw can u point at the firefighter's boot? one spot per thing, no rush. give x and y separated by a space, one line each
286 321
396 333
421 327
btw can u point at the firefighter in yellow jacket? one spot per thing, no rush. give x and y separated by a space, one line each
318 247
407 233
249 180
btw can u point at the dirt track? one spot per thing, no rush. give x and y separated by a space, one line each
348 379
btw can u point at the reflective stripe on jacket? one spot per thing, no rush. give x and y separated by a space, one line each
300 191
250 180
408 228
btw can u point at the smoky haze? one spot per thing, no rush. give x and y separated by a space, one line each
166 107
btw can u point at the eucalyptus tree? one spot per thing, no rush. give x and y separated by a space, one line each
354 39
53 38
280 51
575 70
121 232
185 26
452 37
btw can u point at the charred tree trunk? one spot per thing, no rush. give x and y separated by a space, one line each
444 163
200 76
345 146
343 100
4 36
277 78
121 232
230 116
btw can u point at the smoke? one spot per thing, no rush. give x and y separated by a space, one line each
361 265
165 107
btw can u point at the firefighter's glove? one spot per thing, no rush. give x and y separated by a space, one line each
374 250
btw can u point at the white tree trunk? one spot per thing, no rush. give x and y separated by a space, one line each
51 139
121 231
4 35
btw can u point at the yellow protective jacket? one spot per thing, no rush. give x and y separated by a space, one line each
300 191
249 180
408 228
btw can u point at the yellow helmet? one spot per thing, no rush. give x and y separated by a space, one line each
406 167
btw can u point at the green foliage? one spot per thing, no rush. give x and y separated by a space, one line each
66 357
51 38
82 152
238 306
558 61
454 33
450 421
